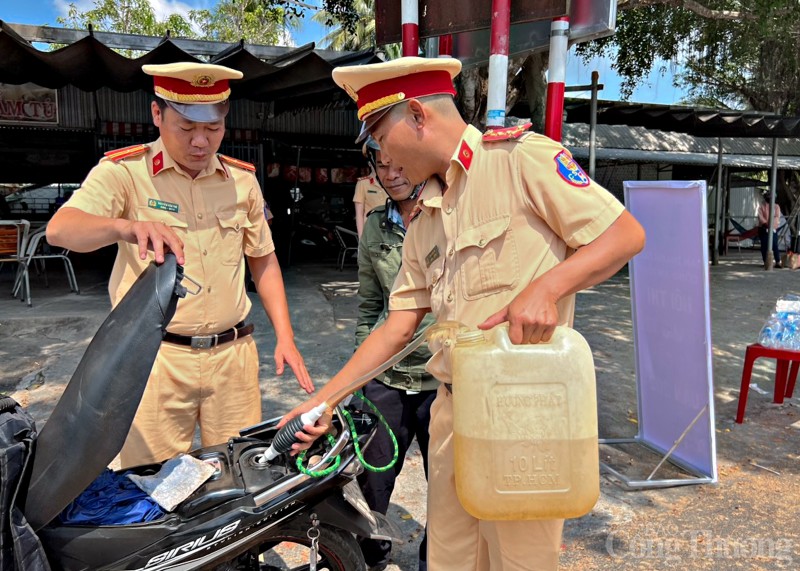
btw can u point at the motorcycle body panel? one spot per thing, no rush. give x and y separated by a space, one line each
227 519
218 522
103 394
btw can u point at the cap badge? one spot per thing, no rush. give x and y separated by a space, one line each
202 81
351 92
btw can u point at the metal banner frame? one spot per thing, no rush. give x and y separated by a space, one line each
588 20
438 18
671 316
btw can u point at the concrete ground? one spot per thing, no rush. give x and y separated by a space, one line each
747 521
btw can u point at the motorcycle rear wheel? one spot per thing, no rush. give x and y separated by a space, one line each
288 548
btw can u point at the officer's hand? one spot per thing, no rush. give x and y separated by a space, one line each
310 432
532 317
286 352
155 236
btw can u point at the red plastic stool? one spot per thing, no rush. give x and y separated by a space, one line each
782 373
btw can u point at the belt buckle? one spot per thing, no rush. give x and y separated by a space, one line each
204 341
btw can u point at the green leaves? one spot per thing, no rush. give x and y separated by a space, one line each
743 53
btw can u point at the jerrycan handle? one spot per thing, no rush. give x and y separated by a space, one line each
500 335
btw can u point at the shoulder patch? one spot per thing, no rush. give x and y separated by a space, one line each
127 152
237 163
569 170
506 133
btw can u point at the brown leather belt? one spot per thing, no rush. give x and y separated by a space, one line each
209 341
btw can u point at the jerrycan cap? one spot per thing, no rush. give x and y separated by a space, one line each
469 337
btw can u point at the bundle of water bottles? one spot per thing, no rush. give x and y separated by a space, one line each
782 329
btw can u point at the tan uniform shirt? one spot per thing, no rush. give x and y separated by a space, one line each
513 209
370 193
219 215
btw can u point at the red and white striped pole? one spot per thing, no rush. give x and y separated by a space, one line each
409 16
498 64
446 45
556 77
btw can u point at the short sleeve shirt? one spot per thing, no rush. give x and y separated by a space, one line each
512 210
370 193
219 215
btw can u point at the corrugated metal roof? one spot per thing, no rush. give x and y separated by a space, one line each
641 145
696 121
640 138
677 158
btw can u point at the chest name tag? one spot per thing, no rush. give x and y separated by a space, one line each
432 256
162 205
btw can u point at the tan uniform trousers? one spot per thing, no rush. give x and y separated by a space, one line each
217 388
459 542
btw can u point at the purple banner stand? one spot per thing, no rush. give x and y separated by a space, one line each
672 331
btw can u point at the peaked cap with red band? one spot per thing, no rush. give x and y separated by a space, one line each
378 87
198 91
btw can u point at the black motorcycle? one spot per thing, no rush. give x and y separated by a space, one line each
251 514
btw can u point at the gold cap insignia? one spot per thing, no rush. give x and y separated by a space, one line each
202 81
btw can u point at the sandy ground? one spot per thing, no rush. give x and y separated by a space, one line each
747 521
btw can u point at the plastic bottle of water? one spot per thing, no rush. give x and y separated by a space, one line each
765 336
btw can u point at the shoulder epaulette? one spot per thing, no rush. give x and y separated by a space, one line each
506 133
127 152
237 163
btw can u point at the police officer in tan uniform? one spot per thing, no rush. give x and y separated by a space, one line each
369 195
509 228
177 194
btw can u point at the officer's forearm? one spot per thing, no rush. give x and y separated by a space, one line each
269 283
387 340
80 231
359 218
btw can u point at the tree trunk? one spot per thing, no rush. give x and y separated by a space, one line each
473 88
536 88
471 94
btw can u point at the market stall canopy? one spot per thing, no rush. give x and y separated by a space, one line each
697 121
89 65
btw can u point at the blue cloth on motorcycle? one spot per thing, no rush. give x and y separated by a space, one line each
112 499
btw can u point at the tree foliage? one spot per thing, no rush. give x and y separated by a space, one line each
255 21
343 13
361 37
125 17
741 53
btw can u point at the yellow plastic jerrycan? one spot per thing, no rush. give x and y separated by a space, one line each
525 425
